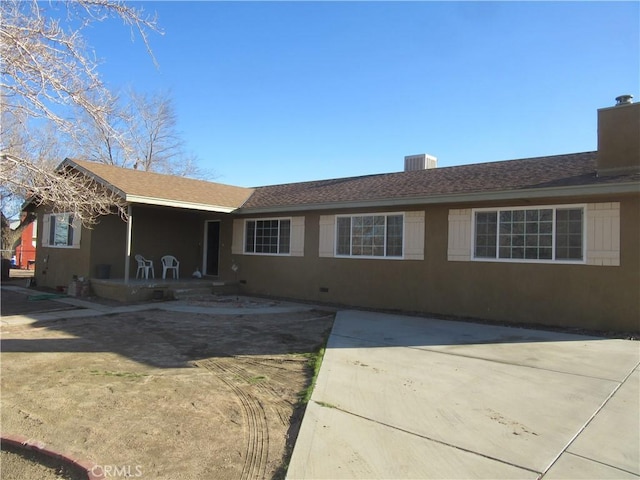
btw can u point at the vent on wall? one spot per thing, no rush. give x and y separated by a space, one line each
419 162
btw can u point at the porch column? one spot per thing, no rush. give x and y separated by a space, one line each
127 258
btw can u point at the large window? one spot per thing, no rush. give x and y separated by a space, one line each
536 234
370 235
271 236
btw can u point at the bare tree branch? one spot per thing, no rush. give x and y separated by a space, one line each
48 74
154 132
144 135
65 191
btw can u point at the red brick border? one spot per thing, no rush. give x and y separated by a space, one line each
25 443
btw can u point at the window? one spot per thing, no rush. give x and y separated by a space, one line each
271 236
61 230
370 235
542 234
569 233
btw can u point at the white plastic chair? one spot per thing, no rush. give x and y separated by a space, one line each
169 262
144 267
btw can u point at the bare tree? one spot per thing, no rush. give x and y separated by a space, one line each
96 142
65 190
49 75
144 135
41 145
153 131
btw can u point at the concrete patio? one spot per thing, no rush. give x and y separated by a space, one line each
142 289
405 397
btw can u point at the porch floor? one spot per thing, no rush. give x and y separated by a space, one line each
142 289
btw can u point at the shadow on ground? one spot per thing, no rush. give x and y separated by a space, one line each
172 340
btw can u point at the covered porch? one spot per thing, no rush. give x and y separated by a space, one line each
199 241
167 215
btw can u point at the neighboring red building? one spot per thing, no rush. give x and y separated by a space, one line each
26 251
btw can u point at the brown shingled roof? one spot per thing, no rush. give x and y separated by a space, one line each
148 187
558 171
530 173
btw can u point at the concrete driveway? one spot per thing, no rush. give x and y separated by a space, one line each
405 397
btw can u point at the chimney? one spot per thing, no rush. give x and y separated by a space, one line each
419 162
619 137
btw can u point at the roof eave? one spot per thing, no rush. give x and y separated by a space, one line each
517 194
140 199
178 204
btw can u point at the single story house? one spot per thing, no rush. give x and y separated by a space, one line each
550 240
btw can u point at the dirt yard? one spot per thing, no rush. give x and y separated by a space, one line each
162 395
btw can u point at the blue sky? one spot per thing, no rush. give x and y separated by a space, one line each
278 92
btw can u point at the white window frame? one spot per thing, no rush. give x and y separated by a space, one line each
72 223
375 257
279 219
573 206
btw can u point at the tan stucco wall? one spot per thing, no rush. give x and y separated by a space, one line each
55 267
596 297
108 245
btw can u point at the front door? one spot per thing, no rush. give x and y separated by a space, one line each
212 247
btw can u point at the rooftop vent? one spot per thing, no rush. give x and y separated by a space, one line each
419 162
624 100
